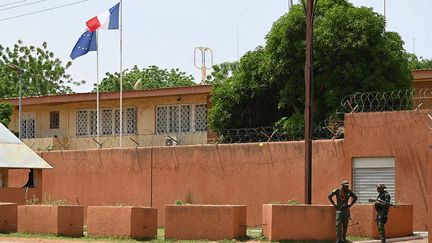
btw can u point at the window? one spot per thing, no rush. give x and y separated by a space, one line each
28 125
368 172
54 119
109 122
181 118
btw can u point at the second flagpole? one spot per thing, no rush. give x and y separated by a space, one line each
121 72
97 89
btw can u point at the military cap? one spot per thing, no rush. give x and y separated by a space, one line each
381 185
344 183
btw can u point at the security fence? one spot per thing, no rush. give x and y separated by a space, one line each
333 126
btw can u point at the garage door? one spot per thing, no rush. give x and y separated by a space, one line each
368 172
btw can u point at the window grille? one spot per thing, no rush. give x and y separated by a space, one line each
106 124
161 119
81 123
28 125
110 122
131 120
54 119
185 116
181 118
174 119
201 118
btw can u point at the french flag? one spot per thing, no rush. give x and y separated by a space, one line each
108 20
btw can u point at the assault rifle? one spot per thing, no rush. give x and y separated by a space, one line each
382 202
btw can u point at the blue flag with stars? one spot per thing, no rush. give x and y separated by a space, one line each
86 43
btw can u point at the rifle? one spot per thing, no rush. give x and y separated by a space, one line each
382 202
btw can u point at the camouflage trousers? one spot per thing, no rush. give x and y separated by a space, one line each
342 218
381 220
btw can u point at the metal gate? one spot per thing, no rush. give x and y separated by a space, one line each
368 172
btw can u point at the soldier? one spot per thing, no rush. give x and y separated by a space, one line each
382 205
342 209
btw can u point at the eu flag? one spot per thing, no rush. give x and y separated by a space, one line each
86 43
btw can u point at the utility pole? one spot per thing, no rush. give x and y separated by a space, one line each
290 4
308 101
384 9
20 72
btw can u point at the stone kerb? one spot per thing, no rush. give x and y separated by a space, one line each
211 222
298 222
48 219
8 217
399 224
133 222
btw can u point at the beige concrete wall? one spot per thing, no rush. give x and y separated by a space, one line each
146 113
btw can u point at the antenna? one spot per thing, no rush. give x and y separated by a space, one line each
203 65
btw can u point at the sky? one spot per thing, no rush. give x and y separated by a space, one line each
165 33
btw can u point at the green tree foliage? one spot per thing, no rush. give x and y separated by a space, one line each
352 53
419 62
5 113
147 78
222 71
44 74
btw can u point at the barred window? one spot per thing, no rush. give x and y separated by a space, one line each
181 118
201 118
54 119
162 119
109 122
28 125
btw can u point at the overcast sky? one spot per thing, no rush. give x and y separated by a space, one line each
166 32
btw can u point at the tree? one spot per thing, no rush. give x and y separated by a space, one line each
44 74
352 53
5 113
419 62
222 71
147 78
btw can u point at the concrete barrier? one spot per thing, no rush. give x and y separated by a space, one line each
211 222
133 222
47 219
8 217
399 224
298 222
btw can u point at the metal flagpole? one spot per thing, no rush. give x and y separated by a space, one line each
121 71
97 89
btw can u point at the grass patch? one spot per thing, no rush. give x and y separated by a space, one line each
253 234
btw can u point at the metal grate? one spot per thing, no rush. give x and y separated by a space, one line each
106 124
81 123
185 115
131 120
174 126
161 119
201 118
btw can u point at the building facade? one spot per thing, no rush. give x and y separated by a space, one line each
150 118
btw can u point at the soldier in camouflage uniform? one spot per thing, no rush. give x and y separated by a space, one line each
382 205
342 206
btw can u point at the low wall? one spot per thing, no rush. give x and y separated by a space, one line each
133 222
211 222
399 223
299 222
246 174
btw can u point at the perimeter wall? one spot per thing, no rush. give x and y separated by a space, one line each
243 173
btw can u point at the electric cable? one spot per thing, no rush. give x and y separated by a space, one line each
43 10
22 5
8 4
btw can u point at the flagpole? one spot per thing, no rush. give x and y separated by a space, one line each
121 71
97 89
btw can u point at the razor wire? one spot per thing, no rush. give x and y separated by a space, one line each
398 100
328 129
